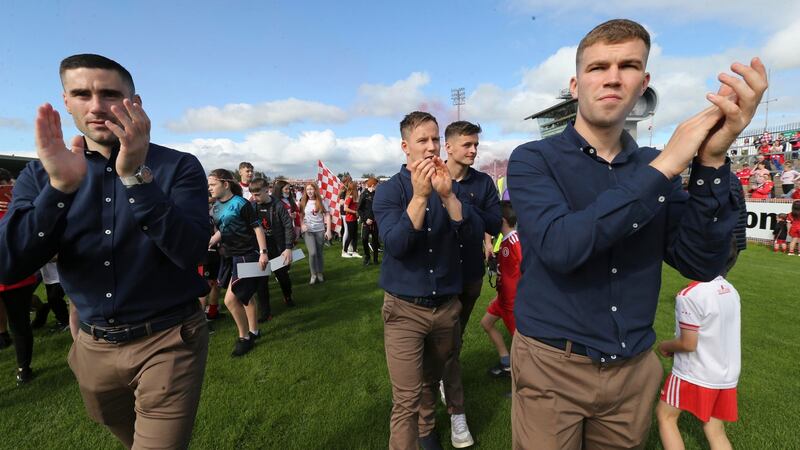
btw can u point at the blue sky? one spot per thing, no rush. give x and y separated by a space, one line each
283 84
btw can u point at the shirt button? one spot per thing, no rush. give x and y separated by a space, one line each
106 263
108 294
614 270
609 167
613 309
111 321
431 271
131 200
591 151
622 344
145 228
602 360
717 180
427 209
715 219
434 292
461 260
700 182
635 225
661 199
613 356
108 169
461 245
108 231
108 199
430 250
41 234
429 229
60 204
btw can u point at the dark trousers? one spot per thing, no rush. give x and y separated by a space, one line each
282 274
370 232
56 303
18 308
351 237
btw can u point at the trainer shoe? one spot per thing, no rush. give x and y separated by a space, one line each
354 255
313 279
460 436
346 255
288 302
500 371
24 375
254 336
320 278
366 261
430 442
242 346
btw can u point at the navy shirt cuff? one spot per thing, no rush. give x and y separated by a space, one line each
710 182
147 202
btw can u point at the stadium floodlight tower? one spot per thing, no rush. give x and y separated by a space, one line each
552 120
459 98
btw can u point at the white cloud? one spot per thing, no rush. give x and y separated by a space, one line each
276 153
393 100
13 123
782 50
244 116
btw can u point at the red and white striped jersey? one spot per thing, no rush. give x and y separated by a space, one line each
711 309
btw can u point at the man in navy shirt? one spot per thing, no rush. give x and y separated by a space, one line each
129 222
597 217
477 189
422 224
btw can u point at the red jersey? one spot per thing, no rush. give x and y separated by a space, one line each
509 260
744 176
27 281
762 191
349 203
796 194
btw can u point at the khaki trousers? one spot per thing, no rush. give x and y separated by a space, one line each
453 386
418 342
566 401
145 391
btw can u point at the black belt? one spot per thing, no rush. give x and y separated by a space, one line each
561 344
427 302
126 333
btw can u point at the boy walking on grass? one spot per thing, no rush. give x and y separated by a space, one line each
707 356
502 307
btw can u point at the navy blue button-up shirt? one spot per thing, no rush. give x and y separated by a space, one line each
478 190
594 236
124 254
426 262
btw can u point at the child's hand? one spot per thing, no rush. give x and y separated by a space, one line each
664 352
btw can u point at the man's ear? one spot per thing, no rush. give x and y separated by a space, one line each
573 87
137 99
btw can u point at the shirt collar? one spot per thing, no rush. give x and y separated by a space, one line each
512 233
629 145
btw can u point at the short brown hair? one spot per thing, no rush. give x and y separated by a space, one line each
613 32
413 120
461 128
245 165
371 181
92 61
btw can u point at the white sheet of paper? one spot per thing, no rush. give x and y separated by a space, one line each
250 270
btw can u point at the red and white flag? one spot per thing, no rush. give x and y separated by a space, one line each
329 187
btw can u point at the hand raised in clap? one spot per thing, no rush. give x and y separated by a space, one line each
133 132
66 167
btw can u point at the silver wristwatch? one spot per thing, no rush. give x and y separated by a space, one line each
143 175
